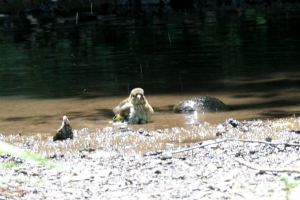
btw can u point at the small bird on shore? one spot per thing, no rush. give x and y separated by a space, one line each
135 109
65 131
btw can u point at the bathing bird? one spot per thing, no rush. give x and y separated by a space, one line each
65 131
135 109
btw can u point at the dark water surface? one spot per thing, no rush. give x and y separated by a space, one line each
50 66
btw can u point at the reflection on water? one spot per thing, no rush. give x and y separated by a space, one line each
50 56
50 66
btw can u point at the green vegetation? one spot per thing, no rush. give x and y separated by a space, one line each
289 182
8 165
9 149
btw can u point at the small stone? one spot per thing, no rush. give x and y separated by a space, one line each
141 131
254 145
281 147
166 155
101 154
123 128
289 148
75 178
143 196
212 167
238 154
233 122
210 144
295 131
193 186
90 149
221 186
268 139
111 187
23 172
296 141
104 173
145 181
218 134
147 133
69 190
100 180
206 174
252 151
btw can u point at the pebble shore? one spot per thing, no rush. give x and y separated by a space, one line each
209 172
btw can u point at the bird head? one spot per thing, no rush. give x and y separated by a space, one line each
137 96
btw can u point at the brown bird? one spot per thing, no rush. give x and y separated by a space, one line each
65 131
135 109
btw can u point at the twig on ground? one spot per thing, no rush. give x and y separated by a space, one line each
239 140
267 169
192 148
264 142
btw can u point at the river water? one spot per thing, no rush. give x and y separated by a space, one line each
52 65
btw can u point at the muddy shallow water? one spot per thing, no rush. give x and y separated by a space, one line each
31 116
38 120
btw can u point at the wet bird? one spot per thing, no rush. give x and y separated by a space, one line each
65 131
135 109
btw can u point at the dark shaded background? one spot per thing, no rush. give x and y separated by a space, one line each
159 48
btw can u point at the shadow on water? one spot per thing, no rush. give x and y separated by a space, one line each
53 57
15 119
107 113
279 114
168 108
270 105
264 84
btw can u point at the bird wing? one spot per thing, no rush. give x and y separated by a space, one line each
149 107
116 110
122 111
125 110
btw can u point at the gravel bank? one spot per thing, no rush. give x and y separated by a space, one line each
210 172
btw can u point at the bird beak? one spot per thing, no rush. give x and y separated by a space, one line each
139 96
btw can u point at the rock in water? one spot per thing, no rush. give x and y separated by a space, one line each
65 130
202 104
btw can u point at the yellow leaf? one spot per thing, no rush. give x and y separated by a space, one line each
283 124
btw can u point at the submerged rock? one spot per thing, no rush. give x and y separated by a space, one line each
65 131
203 104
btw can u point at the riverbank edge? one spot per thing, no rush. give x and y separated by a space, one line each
215 169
